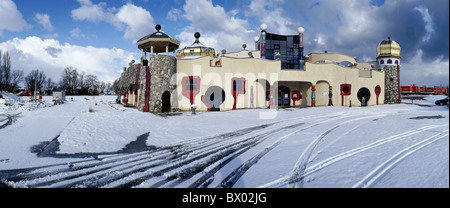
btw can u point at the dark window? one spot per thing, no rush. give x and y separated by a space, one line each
286 46
396 61
389 61
191 84
382 62
238 86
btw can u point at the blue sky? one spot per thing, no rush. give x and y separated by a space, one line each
99 37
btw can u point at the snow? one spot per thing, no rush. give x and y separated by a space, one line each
92 142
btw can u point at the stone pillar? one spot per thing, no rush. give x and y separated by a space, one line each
161 70
391 82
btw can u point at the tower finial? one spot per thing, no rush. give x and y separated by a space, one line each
158 27
197 36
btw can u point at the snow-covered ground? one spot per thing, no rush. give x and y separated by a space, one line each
93 142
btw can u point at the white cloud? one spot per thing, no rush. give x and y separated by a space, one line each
219 29
10 17
44 21
76 32
428 22
52 57
95 13
273 16
419 72
132 19
137 20
174 14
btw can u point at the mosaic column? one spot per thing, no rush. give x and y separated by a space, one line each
251 97
330 95
263 41
398 85
301 61
313 96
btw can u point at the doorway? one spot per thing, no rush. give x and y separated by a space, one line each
284 96
166 102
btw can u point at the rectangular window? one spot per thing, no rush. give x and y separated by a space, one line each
191 84
237 86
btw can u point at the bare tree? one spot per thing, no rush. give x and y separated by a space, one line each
16 78
1 71
35 78
5 71
69 80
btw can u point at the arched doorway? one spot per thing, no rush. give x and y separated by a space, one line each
322 93
284 96
363 96
165 102
213 98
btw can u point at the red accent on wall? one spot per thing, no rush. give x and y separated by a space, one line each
238 91
398 84
190 94
206 103
147 90
299 96
377 91
346 89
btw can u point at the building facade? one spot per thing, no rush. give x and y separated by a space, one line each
275 75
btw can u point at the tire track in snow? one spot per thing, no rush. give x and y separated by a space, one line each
292 177
234 176
375 175
172 164
179 171
58 175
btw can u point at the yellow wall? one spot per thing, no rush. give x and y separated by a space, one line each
253 69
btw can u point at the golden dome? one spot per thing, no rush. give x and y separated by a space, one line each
388 48
197 49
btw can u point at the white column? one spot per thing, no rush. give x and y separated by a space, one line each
167 50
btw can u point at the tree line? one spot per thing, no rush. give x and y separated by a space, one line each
71 81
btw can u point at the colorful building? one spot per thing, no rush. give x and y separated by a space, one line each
275 75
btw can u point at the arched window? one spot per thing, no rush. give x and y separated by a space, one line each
382 62
396 61
389 61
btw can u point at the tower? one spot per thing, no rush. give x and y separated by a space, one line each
388 59
155 74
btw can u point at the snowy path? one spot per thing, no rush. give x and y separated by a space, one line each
314 147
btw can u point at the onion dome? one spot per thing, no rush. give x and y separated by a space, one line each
388 48
159 41
197 49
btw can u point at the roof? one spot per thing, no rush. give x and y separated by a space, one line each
197 49
388 48
159 41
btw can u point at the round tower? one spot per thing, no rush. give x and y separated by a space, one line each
388 58
155 74
388 53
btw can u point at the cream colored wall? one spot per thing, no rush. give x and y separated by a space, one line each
253 69
336 57
244 54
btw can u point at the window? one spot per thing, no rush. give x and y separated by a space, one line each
389 61
191 87
382 62
396 61
191 84
238 86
